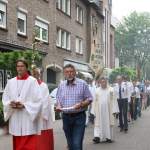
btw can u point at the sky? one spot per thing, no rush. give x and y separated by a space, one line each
123 8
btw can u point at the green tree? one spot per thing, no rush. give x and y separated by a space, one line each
8 59
132 40
131 73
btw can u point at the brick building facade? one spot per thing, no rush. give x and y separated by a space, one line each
64 30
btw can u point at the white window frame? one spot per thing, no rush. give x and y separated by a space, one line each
3 9
79 14
68 40
64 6
58 4
42 25
63 39
79 45
68 7
58 41
23 16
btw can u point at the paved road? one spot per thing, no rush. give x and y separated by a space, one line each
136 139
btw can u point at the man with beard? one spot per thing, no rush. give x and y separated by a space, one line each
73 97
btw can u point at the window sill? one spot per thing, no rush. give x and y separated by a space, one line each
79 54
22 35
81 24
41 41
4 29
63 49
69 16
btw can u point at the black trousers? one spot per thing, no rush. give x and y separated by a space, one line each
136 107
132 107
123 109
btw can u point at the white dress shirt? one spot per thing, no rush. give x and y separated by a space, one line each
124 90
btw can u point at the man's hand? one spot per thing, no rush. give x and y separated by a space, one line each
58 108
19 105
13 104
16 105
78 106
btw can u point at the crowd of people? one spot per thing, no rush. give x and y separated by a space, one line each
123 100
28 107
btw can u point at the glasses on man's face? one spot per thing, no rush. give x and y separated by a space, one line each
20 66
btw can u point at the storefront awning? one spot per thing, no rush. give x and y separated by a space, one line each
80 66
86 75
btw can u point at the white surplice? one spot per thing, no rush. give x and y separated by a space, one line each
105 105
25 121
46 107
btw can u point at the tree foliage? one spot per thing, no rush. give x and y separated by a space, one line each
8 59
132 40
131 73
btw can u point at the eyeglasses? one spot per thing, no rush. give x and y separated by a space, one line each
20 66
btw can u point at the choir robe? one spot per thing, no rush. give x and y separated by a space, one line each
104 106
45 140
24 123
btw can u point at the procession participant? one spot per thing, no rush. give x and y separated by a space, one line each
22 104
45 140
121 91
129 85
73 97
136 95
105 107
92 88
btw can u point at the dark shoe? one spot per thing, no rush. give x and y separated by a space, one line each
121 130
125 130
109 141
96 140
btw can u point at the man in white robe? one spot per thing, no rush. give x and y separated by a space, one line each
22 105
104 108
45 140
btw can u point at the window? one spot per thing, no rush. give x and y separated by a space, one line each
22 23
79 45
79 14
2 15
110 2
64 5
63 39
41 31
